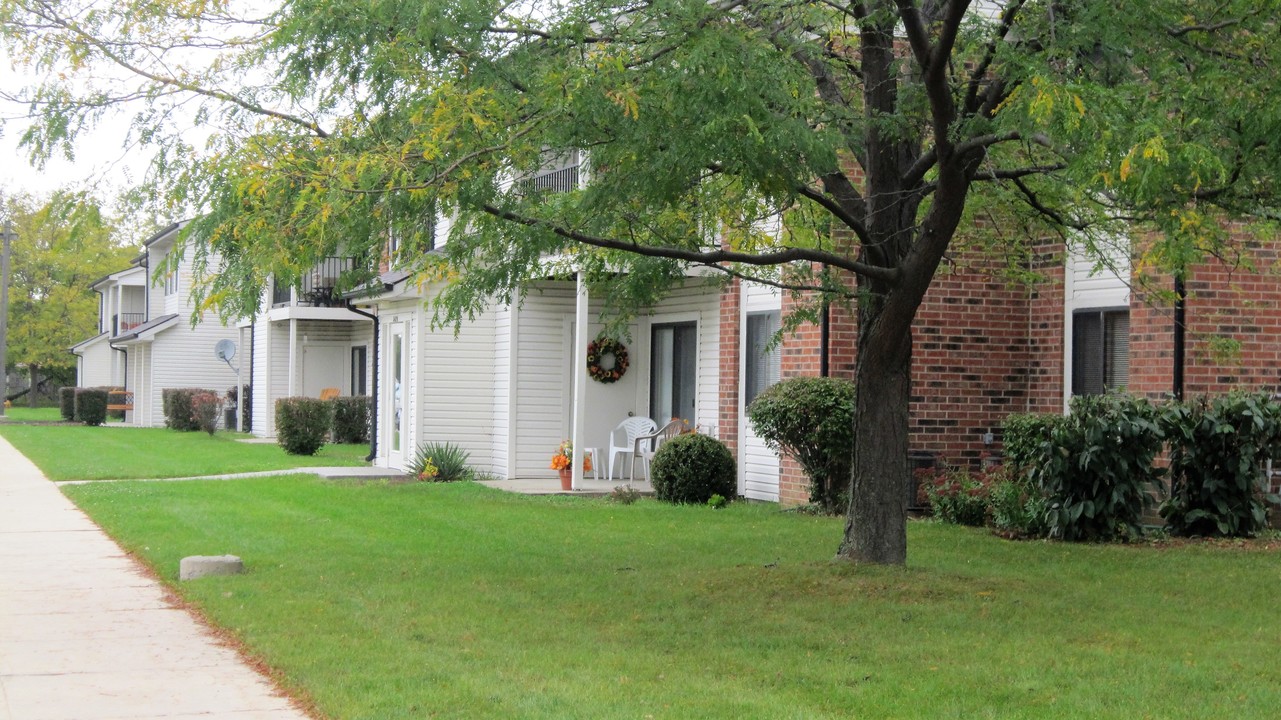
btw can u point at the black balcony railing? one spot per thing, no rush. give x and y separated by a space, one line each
317 288
124 322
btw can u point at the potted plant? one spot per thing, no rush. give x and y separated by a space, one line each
562 461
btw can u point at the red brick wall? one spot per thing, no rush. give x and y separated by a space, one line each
727 424
1237 300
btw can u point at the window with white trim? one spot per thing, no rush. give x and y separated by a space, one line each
1100 351
762 361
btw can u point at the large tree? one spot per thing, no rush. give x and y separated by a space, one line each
64 243
875 128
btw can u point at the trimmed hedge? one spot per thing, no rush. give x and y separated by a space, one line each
91 405
176 405
67 403
351 419
302 424
692 468
812 419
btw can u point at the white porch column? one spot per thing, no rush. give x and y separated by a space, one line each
293 358
580 381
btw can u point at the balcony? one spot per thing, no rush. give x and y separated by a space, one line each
124 322
317 288
554 177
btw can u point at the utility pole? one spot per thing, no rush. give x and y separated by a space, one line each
8 236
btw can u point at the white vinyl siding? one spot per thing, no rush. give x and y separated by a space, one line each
758 465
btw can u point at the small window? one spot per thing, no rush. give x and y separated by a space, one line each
171 283
1100 351
762 361
359 370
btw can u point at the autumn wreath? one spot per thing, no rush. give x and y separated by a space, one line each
599 355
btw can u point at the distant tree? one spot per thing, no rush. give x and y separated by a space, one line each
64 243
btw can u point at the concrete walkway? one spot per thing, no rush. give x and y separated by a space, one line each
86 635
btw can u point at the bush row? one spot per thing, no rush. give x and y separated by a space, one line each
1093 475
303 424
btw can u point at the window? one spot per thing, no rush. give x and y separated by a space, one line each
1100 351
171 283
673 372
358 370
762 362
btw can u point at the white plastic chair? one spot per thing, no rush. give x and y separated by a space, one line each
631 428
647 445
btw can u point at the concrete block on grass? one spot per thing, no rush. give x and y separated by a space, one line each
198 566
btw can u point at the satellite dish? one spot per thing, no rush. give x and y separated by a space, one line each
225 350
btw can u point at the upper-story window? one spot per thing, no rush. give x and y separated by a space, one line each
171 282
411 237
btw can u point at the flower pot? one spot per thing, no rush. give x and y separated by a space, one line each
566 479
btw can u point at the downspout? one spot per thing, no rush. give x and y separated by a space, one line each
373 410
1180 334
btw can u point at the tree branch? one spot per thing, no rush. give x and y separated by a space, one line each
1008 16
701 257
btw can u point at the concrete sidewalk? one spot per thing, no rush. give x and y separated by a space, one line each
86 635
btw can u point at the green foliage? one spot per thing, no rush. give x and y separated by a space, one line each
91 405
1025 437
205 407
958 496
1016 507
302 424
440 462
351 419
67 403
176 405
692 468
1217 452
1097 471
63 244
717 501
812 419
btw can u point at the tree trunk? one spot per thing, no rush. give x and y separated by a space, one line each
876 525
35 384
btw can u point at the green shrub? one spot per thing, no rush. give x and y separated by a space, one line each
1016 507
956 496
351 419
439 462
205 407
812 419
175 403
1217 451
302 424
91 405
67 403
692 468
1025 436
1096 471
246 408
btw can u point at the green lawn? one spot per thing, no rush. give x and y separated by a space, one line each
80 452
26 414
420 600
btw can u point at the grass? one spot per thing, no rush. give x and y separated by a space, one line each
79 452
395 601
41 414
